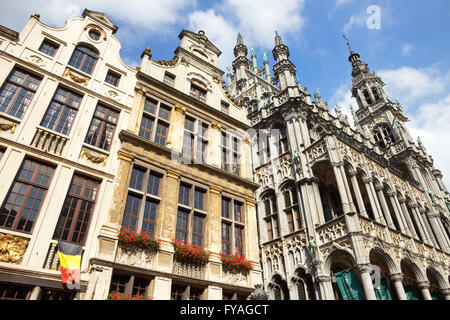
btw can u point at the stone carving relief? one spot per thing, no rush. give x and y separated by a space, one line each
191 270
36 60
135 256
283 168
264 178
317 152
236 278
81 80
93 156
331 232
12 248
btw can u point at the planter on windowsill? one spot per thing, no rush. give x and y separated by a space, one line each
123 296
235 263
190 253
140 240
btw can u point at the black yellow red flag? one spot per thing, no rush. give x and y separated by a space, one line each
70 264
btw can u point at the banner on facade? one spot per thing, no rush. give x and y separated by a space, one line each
70 264
382 292
410 293
349 285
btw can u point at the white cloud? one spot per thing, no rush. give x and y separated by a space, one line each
257 21
409 84
432 125
343 97
341 2
356 21
145 14
406 49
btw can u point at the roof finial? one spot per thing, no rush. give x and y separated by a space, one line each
348 43
277 39
239 39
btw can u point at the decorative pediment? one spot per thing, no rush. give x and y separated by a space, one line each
101 18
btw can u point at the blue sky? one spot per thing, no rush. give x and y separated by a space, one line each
410 51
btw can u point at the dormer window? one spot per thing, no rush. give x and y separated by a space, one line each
49 48
198 93
84 58
169 79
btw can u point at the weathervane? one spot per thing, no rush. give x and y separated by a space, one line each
348 43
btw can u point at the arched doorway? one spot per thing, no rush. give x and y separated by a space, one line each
304 285
386 289
279 288
437 283
411 275
329 194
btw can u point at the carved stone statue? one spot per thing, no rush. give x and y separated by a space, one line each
432 196
419 141
228 69
312 248
265 56
317 94
253 51
297 162
448 204
398 124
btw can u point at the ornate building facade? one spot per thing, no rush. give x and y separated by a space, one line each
65 96
185 174
336 202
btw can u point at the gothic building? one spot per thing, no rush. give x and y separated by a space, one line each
334 202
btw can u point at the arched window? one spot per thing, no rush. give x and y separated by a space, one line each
84 58
367 96
375 93
383 135
271 215
291 208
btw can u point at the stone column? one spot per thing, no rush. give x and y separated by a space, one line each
427 226
214 241
326 287
369 291
397 280
263 236
359 199
161 288
402 204
409 228
252 231
341 187
214 293
99 283
347 188
445 293
373 200
35 293
434 221
213 155
170 204
385 208
424 286
176 130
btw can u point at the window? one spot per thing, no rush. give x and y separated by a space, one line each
281 139
195 139
230 153
232 226
191 214
169 79
75 216
94 34
375 93
56 295
271 216
49 48
17 92
103 125
2 152
185 292
198 93
224 107
383 135
24 199
155 121
367 96
112 78
263 147
84 58
291 208
141 207
62 111
14 291
131 285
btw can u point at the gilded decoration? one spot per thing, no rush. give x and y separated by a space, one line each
75 78
12 248
180 109
94 157
8 126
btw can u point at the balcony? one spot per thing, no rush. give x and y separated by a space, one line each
186 269
52 258
49 141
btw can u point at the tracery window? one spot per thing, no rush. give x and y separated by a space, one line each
291 207
271 216
383 135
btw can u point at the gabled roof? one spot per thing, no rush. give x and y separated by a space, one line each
199 37
102 18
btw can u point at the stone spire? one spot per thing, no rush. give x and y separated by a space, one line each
241 62
280 52
284 70
240 50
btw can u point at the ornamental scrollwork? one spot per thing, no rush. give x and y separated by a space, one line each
12 248
75 78
94 158
8 126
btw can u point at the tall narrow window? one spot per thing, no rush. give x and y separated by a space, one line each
271 215
230 153
383 135
169 79
49 48
24 200
155 121
102 128
62 111
14 292
233 225
291 207
84 58
224 107
143 200
191 214
75 216
195 139
198 93
17 92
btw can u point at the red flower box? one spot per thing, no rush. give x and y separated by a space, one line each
141 240
123 296
235 262
189 252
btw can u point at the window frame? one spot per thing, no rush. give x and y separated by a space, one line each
171 82
81 198
271 218
233 223
129 285
117 76
292 208
20 87
225 106
144 196
232 160
184 291
156 119
53 45
84 63
198 138
198 93
192 212
104 121
65 105
29 185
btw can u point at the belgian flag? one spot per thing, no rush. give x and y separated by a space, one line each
70 264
